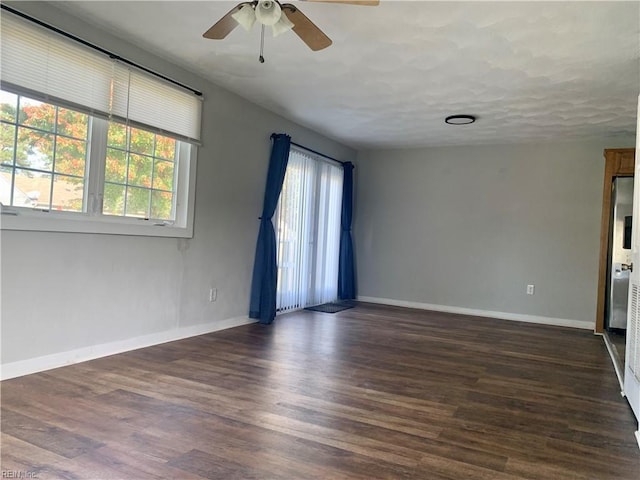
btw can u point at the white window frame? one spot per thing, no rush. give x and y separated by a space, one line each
92 220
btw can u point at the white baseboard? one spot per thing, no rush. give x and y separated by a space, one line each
613 354
560 322
47 362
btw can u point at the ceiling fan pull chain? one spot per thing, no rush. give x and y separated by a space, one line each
261 58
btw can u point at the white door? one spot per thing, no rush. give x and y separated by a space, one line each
632 355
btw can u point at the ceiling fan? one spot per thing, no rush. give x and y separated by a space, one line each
281 17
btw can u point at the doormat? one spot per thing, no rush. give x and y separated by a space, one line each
333 307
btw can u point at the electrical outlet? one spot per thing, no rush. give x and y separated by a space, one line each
213 294
531 289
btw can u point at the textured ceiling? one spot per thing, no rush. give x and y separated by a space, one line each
528 70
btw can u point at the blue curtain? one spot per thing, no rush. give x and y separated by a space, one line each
346 266
265 269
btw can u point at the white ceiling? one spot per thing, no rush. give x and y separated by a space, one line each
529 70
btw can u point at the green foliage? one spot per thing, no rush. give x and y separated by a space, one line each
141 141
117 136
140 170
7 133
8 112
165 147
138 202
113 199
163 175
72 124
116 168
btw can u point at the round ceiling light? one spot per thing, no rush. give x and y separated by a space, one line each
460 119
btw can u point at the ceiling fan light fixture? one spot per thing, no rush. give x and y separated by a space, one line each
460 119
246 17
282 26
268 12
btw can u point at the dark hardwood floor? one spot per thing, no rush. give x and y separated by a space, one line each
371 392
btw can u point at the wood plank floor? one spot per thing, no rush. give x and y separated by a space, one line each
371 392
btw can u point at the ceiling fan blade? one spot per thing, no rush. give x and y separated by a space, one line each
367 3
308 32
224 26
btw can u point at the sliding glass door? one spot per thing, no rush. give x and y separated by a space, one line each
307 224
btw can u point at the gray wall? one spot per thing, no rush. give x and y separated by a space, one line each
62 292
470 227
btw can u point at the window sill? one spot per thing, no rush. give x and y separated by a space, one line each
27 220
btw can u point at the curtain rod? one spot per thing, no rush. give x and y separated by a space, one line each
318 153
99 49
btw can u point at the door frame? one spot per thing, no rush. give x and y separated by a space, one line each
619 162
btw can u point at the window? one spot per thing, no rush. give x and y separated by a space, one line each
115 150
139 174
44 152
53 159
307 224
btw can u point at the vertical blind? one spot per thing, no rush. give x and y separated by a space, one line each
307 223
39 62
324 286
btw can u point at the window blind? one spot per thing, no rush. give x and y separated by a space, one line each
307 224
38 62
